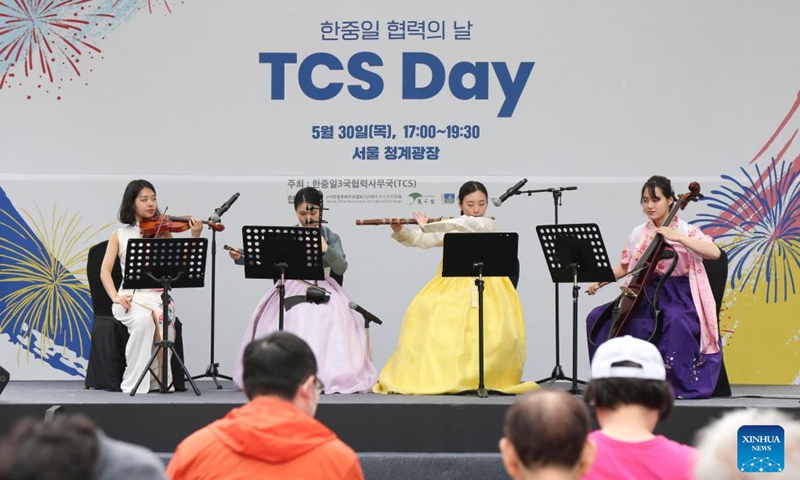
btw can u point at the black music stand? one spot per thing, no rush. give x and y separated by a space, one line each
282 253
575 253
558 372
490 254
165 263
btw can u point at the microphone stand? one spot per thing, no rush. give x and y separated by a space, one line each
212 371
558 372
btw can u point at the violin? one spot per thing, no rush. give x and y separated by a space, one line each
645 269
401 221
167 223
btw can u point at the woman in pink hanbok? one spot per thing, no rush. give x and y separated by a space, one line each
688 337
336 333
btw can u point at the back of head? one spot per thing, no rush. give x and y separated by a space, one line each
64 449
548 429
276 365
717 445
629 371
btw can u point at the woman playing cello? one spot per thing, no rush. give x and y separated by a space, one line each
686 332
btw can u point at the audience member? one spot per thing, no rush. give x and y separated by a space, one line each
717 446
275 434
545 437
71 447
630 393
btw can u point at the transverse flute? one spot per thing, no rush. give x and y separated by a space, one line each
400 221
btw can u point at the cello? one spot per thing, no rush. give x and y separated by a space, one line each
643 272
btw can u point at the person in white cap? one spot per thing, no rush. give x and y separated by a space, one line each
630 393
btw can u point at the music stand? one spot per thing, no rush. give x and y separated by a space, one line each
558 372
575 253
490 254
282 253
165 263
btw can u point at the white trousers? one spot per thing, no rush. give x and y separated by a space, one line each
141 323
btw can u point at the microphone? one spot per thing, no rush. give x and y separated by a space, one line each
224 208
311 221
367 316
511 191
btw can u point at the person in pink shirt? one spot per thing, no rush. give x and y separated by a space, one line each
630 393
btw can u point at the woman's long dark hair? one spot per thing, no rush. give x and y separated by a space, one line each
127 208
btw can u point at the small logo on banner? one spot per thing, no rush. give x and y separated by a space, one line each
760 448
420 199
448 198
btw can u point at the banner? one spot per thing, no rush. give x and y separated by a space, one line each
387 109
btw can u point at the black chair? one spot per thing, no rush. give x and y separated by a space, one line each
109 336
717 271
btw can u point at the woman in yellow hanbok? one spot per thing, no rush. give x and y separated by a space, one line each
437 351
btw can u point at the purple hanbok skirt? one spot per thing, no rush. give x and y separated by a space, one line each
691 373
335 333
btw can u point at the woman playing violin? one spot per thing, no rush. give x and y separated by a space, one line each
688 336
139 310
437 351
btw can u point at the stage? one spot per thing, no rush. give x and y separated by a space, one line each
367 422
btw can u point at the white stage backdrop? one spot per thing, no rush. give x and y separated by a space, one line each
388 109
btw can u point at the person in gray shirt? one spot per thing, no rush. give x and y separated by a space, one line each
72 447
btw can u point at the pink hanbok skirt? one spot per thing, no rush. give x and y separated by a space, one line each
335 333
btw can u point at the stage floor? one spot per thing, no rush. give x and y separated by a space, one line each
368 422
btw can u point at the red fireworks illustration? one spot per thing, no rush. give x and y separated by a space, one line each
149 4
34 34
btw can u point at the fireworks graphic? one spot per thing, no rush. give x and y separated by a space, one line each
139 4
51 40
65 239
758 219
44 307
41 36
758 224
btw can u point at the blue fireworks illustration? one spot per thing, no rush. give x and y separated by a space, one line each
758 224
45 308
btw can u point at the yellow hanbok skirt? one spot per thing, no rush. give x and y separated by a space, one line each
437 351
